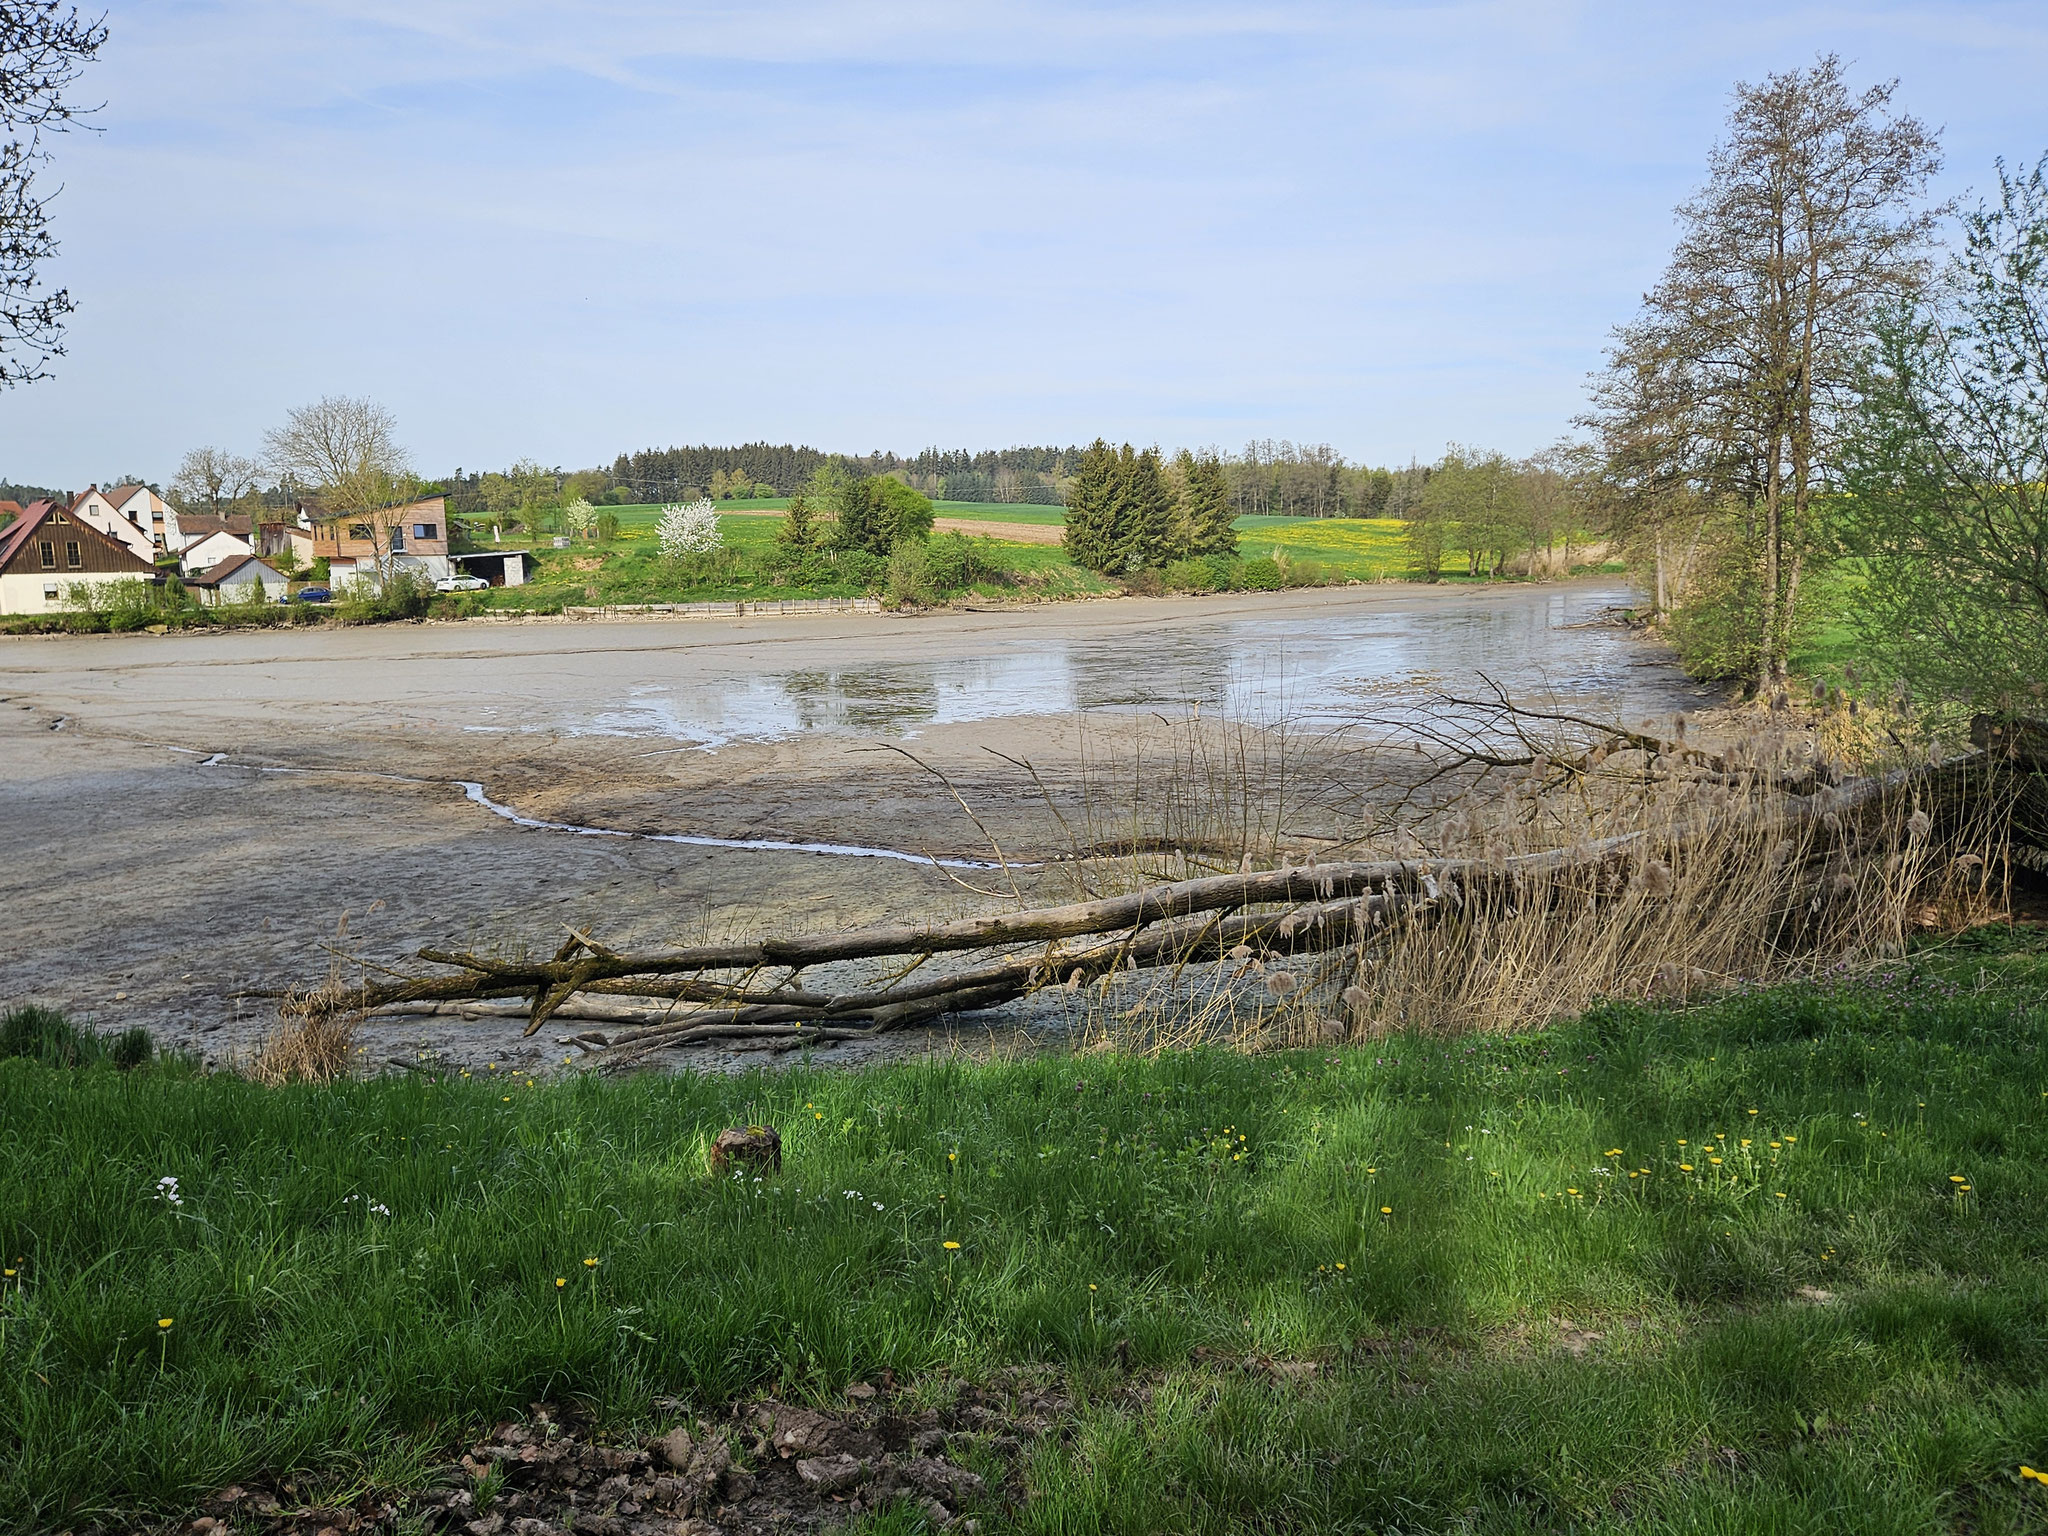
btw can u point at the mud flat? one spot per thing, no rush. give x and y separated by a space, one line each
189 816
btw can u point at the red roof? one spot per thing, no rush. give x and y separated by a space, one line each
16 533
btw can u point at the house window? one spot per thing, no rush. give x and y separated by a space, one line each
398 541
426 530
49 592
361 531
49 553
71 554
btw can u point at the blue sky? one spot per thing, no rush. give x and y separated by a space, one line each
567 231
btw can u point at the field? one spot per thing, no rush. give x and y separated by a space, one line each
629 570
1362 549
1769 1263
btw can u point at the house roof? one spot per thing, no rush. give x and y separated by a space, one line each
319 514
226 568
17 533
200 524
121 493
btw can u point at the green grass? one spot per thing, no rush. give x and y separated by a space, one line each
1202 1200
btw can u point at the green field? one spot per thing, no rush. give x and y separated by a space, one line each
1772 1263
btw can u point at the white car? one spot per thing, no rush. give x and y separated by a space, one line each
461 584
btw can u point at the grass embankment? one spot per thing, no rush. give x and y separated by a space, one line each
1773 1263
632 569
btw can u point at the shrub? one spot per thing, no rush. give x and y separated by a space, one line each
953 562
1145 584
908 578
1191 576
407 595
1260 575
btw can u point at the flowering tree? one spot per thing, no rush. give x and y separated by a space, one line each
688 529
578 517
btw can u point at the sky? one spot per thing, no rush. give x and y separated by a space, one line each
567 232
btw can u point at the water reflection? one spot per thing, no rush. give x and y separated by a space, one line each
1322 667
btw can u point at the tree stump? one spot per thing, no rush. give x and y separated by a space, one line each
758 1145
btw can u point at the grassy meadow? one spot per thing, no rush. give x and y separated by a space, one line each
1773 1262
630 568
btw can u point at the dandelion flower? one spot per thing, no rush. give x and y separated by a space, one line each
1714 1160
163 1322
1386 1210
1091 1286
560 1282
1340 1266
1962 1189
1752 1111
1685 1167
1955 1178
590 1263
1571 1191
949 1245
1791 1138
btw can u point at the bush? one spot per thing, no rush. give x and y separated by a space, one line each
1192 575
1260 575
954 562
407 595
1145 584
43 1034
908 579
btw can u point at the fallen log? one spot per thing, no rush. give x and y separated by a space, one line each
710 992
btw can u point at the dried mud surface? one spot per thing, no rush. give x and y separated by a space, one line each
190 817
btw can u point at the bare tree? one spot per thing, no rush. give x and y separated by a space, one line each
1746 353
43 47
344 452
212 480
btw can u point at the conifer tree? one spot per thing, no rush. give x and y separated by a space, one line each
1206 515
799 534
1144 512
1092 509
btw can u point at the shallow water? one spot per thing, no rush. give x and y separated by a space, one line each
1322 668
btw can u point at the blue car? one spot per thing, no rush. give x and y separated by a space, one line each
313 595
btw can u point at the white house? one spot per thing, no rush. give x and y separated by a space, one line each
208 552
46 554
237 580
96 510
146 510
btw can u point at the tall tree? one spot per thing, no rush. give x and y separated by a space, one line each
1808 223
345 453
43 48
1091 534
1948 465
1206 516
212 480
1144 512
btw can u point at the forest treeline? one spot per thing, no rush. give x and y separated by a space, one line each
1271 478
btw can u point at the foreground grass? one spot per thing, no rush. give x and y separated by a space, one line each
355 1274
